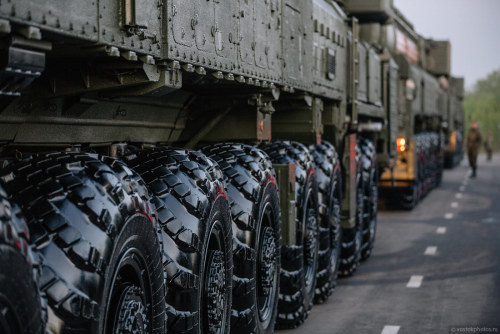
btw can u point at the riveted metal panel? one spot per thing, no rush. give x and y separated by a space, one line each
73 18
330 67
226 31
182 15
204 17
259 54
202 33
431 95
273 48
261 27
297 44
133 25
363 72
374 80
246 35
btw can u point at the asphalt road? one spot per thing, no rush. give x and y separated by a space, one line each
447 248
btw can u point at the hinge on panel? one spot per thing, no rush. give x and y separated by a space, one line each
263 103
129 17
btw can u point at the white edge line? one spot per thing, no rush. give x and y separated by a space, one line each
441 230
431 250
390 329
415 281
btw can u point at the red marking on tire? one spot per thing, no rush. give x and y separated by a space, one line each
220 191
270 179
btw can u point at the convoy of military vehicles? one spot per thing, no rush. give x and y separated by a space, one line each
301 112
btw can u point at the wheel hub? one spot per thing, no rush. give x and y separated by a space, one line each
216 292
132 317
311 238
310 247
267 261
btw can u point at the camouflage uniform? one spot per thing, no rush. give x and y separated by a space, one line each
473 145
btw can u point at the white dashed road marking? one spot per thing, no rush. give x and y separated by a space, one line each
431 250
388 329
454 205
462 188
459 195
415 281
441 230
449 215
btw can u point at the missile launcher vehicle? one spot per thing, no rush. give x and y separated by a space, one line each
193 166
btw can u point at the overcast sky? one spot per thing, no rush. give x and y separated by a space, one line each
472 26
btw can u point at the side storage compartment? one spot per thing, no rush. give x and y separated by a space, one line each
133 25
202 33
259 43
374 78
329 50
297 43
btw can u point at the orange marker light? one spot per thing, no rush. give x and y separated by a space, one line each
401 142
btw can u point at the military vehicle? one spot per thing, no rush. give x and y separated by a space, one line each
130 229
454 131
427 116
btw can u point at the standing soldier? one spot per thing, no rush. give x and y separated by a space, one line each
488 145
473 145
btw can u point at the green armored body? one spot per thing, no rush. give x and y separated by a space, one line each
297 110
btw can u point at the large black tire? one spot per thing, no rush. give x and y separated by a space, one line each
299 262
370 198
329 176
91 225
20 303
352 238
408 197
254 200
193 213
